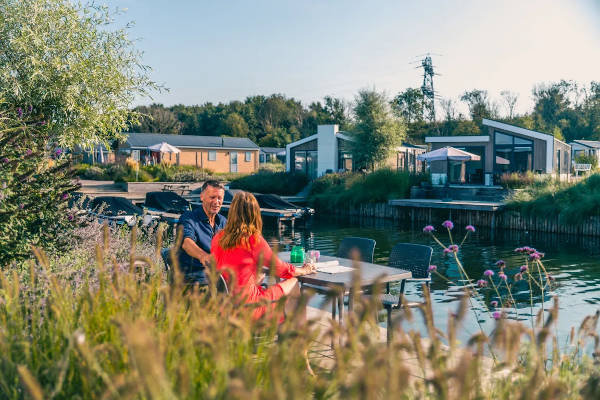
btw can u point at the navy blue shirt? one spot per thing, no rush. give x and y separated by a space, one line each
196 227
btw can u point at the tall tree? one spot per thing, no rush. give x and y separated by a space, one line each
479 104
157 119
65 60
377 131
235 125
410 105
510 100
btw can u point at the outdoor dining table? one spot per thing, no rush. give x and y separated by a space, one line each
341 282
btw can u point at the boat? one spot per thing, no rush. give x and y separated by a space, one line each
118 210
166 204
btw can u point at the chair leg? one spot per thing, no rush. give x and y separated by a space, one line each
389 324
402 285
387 288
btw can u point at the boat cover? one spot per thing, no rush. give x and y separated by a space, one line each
273 201
115 206
167 201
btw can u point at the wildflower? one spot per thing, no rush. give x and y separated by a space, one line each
518 276
5 160
29 152
470 228
497 315
523 268
428 229
519 250
70 217
488 273
19 112
500 263
481 283
453 248
448 224
21 206
447 251
30 108
432 268
64 196
502 275
494 303
534 256
58 152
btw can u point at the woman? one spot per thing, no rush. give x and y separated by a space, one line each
240 247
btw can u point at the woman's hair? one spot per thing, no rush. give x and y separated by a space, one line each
243 221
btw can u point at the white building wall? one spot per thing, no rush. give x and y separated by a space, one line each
327 148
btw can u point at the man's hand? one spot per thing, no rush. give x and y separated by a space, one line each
192 249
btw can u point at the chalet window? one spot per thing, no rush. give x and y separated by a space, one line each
248 156
212 155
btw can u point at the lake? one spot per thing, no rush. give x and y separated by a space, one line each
573 261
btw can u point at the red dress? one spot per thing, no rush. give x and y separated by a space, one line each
243 262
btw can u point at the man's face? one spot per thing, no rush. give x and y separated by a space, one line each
212 199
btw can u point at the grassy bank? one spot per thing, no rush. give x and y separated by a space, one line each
149 173
266 181
339 190
107 324
573 203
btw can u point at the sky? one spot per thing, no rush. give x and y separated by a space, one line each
218 51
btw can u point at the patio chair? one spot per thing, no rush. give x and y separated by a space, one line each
189 278
411 257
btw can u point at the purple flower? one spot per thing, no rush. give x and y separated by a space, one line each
497 315
64 196
448 224
20 112
481 283
518 276
523 268
21 206
488 273
494 303
470 228
454 248
58 152
70 217
428 229
535 256
29 152
5 160
30 108
502 275
500 263
432 268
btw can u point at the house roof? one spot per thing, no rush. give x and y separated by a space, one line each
143 140
594 144
273 150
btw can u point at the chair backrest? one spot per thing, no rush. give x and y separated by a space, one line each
364 246
222 285
166 257
412 257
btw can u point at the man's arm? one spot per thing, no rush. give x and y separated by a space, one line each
192 249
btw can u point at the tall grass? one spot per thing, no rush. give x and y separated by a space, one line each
266 181
351 188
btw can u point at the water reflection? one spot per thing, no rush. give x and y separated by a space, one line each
573 261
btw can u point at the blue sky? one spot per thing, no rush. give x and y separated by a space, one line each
228 50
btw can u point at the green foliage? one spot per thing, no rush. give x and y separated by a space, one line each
36 184
376 132
63 59
333 191
281 183
410 105
573 203
147 173
587 159
518 180
157 119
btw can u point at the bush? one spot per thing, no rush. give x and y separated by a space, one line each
281 183
587 159
36 185
573 203
352 188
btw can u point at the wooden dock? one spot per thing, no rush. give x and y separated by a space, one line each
448 204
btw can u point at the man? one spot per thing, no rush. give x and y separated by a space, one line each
199 227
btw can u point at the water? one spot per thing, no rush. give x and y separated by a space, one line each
574 261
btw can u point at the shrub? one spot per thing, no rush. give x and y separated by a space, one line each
36 186
281 183
352 188
587 159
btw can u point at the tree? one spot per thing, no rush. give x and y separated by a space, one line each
510 98
157 119
410 105
235 125
377 131
479 105
63 59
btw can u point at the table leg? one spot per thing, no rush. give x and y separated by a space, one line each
350 301
341 307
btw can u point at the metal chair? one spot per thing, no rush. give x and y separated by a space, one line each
365 248
411 257
190 278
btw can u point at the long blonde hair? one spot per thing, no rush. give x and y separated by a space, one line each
243 221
